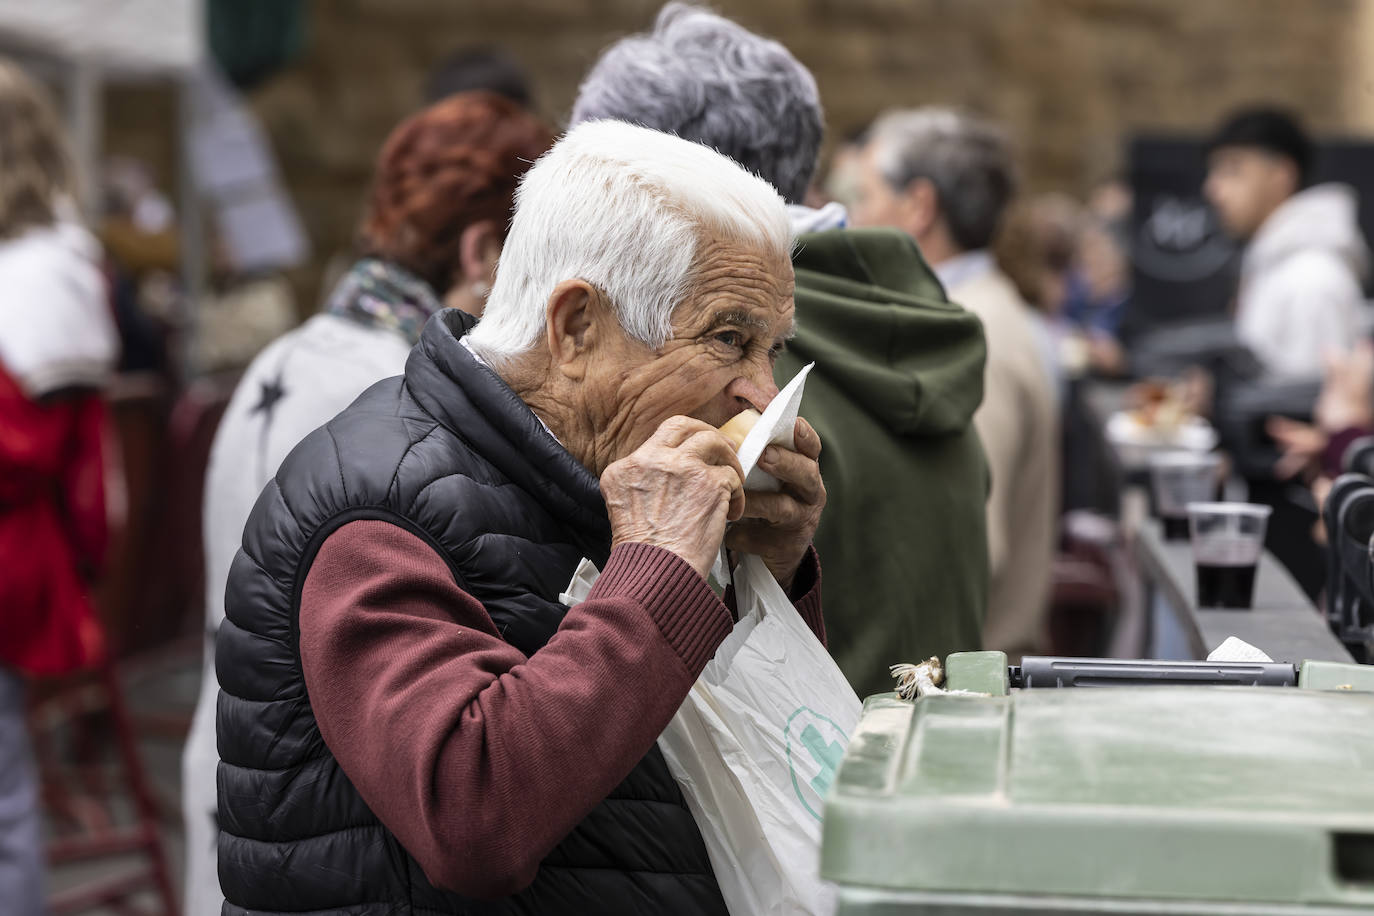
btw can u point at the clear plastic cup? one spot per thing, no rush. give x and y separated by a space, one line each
1228 539
1180 478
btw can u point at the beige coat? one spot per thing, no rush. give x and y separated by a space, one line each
1019 426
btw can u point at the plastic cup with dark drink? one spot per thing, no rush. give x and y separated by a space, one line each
1228 539
1180 478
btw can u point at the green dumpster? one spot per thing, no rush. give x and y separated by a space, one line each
1168 799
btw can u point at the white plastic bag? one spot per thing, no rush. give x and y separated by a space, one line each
755 746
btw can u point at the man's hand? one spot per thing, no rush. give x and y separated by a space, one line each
1301 444
778 527
676 491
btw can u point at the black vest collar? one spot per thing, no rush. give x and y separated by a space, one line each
473 402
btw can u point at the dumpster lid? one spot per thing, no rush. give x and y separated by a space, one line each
1166 793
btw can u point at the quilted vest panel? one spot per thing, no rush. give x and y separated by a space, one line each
295 836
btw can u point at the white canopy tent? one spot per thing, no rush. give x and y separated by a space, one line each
82 45
131 36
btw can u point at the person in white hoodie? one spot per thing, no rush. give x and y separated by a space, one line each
1301 285
432 230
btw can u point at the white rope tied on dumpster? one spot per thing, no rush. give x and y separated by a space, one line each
924 680
919 680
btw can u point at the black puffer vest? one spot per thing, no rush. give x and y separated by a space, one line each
295 835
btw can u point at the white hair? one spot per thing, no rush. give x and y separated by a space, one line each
625 209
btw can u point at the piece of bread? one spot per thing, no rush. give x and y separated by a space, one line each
737 428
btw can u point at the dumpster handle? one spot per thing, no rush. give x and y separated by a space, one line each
1045 671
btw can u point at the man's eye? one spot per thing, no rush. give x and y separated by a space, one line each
731 338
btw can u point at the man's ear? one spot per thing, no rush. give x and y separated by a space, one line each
479 247
570 326
920 206
1291 178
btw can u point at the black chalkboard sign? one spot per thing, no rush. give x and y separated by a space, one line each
1184 267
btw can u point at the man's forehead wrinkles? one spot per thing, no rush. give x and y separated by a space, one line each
742 283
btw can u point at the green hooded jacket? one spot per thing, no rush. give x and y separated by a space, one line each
899 373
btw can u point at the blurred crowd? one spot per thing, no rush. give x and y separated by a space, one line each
954 318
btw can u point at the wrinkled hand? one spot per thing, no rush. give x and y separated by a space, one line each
1347 397
1302 445
676 491
778 527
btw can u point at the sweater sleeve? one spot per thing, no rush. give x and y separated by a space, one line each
806 594
83 485
479 759
1333 456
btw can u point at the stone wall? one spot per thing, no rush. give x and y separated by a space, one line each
1070 77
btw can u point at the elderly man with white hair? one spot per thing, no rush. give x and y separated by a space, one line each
946 178
409 718
899 370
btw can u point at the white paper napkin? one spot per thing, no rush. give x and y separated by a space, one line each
584 577
775 427
1237 650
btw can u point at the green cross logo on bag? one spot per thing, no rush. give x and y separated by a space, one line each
815 746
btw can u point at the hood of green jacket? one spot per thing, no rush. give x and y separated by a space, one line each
873 314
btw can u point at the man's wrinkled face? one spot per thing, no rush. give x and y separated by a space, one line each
717 361
1245 185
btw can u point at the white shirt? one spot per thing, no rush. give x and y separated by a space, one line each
964 268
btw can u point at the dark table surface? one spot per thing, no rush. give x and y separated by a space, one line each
1283 623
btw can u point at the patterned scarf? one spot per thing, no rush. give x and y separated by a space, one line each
377 293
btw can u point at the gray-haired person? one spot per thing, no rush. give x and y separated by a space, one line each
946 178
898 369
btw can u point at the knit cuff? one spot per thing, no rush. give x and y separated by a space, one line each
806 593
1333 457
688 614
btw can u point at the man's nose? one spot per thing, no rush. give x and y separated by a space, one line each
758 390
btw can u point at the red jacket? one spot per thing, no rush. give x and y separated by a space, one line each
52 529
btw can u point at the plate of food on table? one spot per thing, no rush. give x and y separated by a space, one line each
1161 418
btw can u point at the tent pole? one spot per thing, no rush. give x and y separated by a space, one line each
85 115
192 243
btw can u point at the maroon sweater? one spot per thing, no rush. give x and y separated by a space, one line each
461 745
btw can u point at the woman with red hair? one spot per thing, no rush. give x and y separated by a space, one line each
433 228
